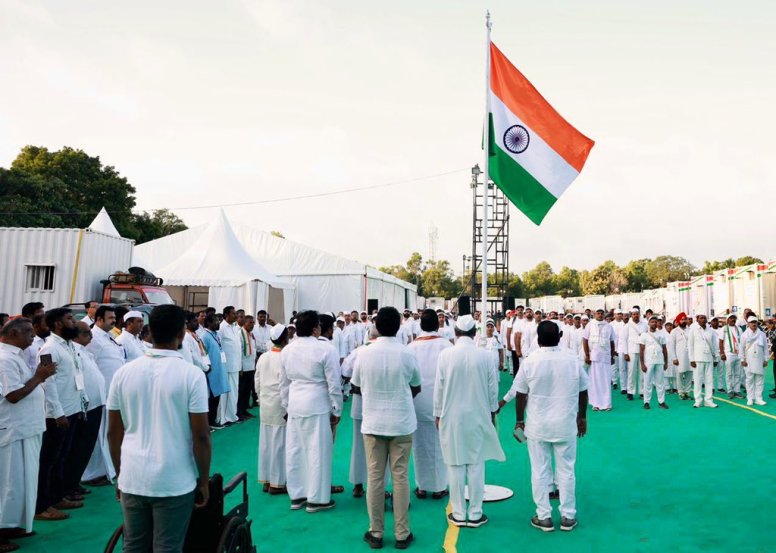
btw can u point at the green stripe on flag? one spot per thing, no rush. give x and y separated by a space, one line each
528 195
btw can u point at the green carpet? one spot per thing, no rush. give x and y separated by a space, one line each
683 480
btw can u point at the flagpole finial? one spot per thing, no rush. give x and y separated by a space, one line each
488 22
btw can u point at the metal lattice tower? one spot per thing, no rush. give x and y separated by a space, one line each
498 247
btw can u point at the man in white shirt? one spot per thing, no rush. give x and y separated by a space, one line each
703 349
229 333
91 312
524 340
247 368
629 343
620 376
160 438
465 399
193 349
654 356
387 376
358 328
430 467
66 403
41 332
517 320
678 356
272 428
22 424
130 335
311 393
261 333
729 352
598 342
553 385
445 328
754 346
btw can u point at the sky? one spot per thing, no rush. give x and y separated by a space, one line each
237 101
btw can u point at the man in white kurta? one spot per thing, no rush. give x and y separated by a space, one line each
620 375
599 345
430 467
311 394
677 346
754 346
730 354
130 336
272 428
703 349
553 385
465 396
231 343
524 337
654 355
193 349
22 423
629 343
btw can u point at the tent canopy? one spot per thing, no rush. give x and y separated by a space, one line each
103 223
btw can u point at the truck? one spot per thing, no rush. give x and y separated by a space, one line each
136 286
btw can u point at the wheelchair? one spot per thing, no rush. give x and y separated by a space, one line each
210 530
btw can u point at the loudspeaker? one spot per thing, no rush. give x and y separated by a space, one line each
371 305
509 303
464 305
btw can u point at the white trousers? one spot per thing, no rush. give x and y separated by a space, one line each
754 386
654 377
100 463
430 468
703 375
460 476
719 377
309 447
541 455
600 389
358 455
227 406
634 369
684 380
272 454
622 368
733 373
19 464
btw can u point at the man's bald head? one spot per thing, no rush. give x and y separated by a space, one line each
84 334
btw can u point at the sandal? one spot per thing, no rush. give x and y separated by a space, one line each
337 489
440 495
421 494
280 490
52 514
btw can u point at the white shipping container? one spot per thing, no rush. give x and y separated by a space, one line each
612 302
594 302
57 266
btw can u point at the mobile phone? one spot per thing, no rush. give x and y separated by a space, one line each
46 358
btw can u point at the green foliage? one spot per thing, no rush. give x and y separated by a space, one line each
607 278
714 266
67 188
747 260
539 280
433 278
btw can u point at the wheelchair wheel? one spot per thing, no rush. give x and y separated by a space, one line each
114 540
236 537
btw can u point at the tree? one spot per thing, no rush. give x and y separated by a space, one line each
668 268
636 275
277 234
747 260
714 266
566 282
438 280
516 288
150 226
607 278
538 281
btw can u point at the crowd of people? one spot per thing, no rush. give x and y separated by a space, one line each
115 397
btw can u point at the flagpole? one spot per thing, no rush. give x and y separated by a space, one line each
485 198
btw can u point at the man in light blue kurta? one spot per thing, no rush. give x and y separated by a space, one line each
217 380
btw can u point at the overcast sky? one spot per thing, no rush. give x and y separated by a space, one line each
201 102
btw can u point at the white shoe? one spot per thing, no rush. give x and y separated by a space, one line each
710 404
761 402
750 403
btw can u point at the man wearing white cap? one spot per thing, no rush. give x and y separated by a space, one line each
754 346
703 349
272 430
598 343
430 468
629 343
130 335
654 360
620 370
729 352
465 396
491 342
524 339
579 337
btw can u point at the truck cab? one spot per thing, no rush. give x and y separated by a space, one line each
136 286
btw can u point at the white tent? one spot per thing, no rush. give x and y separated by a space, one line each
217 260
102 223
323 281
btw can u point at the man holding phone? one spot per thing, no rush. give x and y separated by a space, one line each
159 438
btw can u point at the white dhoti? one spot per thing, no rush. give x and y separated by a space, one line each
19 464
654 377
100 463
357 455
600 388
754 386
703 375
308 458
634 369
460 476
430 468
733 373
227 406
541 455
272 455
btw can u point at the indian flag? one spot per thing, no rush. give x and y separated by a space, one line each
534 153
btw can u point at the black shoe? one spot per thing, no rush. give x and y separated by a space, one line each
624 392
772 395
614 386
265 488
455 522
373 541
641 396
646 406
440 495
555 494
664 405
358 490
630 397
216 426
405 543
297 504
421 494
721 390
545 525
568 524
315 507
477 523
